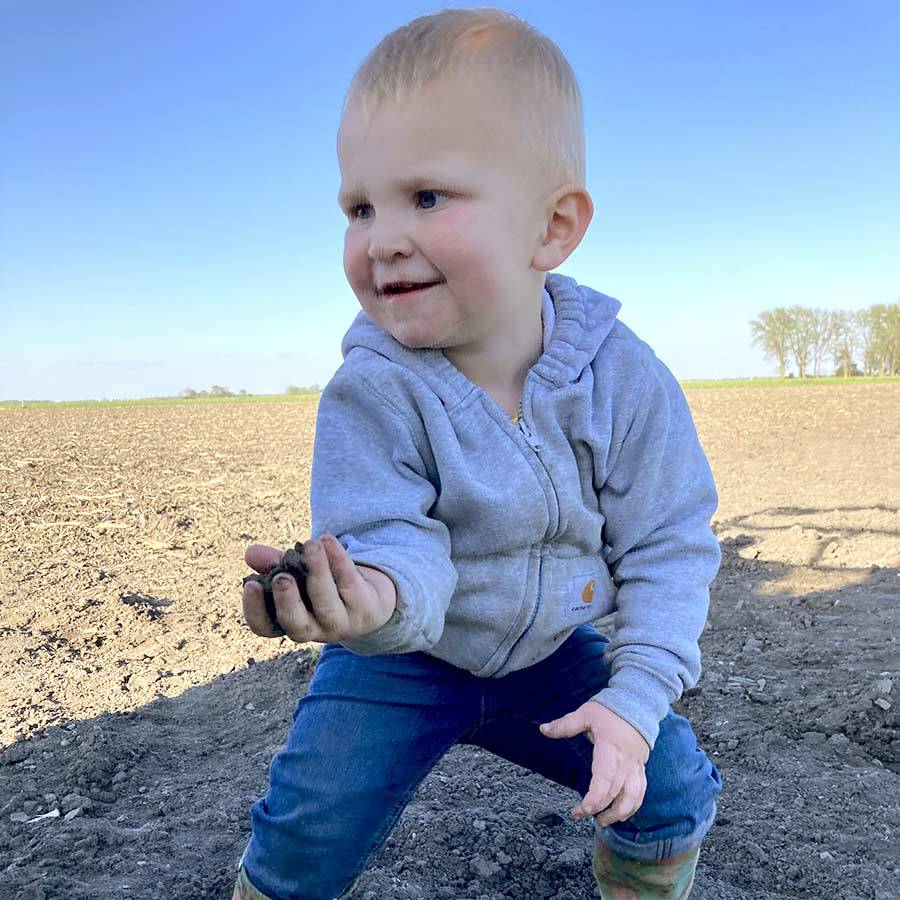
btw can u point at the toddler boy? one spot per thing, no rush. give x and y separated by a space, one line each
498 464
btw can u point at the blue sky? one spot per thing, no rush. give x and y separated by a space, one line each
168 180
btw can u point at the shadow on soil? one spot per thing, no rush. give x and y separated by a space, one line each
797 707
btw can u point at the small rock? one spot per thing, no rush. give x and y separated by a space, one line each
572 858
540 855
832 721
825 855
839 741
884 686
881 703
18 817
72 801
479 824
482 867
16 753
503 858
73 814
756 852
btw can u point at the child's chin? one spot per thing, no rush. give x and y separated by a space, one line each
412 343
415 341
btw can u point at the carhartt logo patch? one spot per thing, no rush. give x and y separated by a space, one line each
579 597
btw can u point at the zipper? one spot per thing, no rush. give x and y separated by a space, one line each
534 612
533 442
537 446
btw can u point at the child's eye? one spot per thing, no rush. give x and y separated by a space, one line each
428 199
361 211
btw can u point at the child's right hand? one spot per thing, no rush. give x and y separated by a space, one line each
346 600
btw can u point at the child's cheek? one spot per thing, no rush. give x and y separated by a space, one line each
356 262
458 242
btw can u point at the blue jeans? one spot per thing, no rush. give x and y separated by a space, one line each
370 728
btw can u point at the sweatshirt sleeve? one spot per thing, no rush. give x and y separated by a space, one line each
657 500
370 489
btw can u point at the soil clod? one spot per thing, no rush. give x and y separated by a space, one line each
291 564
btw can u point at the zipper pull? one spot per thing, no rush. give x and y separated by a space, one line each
533 442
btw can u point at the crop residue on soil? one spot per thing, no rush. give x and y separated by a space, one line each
138 714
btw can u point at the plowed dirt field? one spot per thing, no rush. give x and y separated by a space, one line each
138 713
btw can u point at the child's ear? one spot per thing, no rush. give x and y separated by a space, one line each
569 212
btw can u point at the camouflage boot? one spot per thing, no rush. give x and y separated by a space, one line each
632 879
244 890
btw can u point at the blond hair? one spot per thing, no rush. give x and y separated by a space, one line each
521 60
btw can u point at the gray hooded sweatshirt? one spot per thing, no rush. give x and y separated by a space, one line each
502 538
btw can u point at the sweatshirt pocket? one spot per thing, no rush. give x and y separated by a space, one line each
573 592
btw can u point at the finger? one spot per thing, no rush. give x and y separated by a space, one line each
262 558
293 616
603 790
346 576
607 778
254 609
628 801
568 726
327 606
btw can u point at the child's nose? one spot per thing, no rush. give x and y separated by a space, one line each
388 239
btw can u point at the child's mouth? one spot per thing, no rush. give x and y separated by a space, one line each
405 288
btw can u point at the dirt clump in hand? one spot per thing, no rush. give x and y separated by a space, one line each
292 564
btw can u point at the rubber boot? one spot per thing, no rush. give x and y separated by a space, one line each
244 890
633 879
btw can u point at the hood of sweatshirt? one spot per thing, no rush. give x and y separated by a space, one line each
582 320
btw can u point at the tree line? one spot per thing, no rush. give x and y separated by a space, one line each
855 342
218 391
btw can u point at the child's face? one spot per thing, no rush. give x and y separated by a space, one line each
445 211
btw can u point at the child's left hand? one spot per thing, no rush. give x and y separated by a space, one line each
618 781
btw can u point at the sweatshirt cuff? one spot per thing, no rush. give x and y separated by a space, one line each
399 631
638 698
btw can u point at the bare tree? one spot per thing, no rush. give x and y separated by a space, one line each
820 332
867 329
802 337
892 327
844 341
770 333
